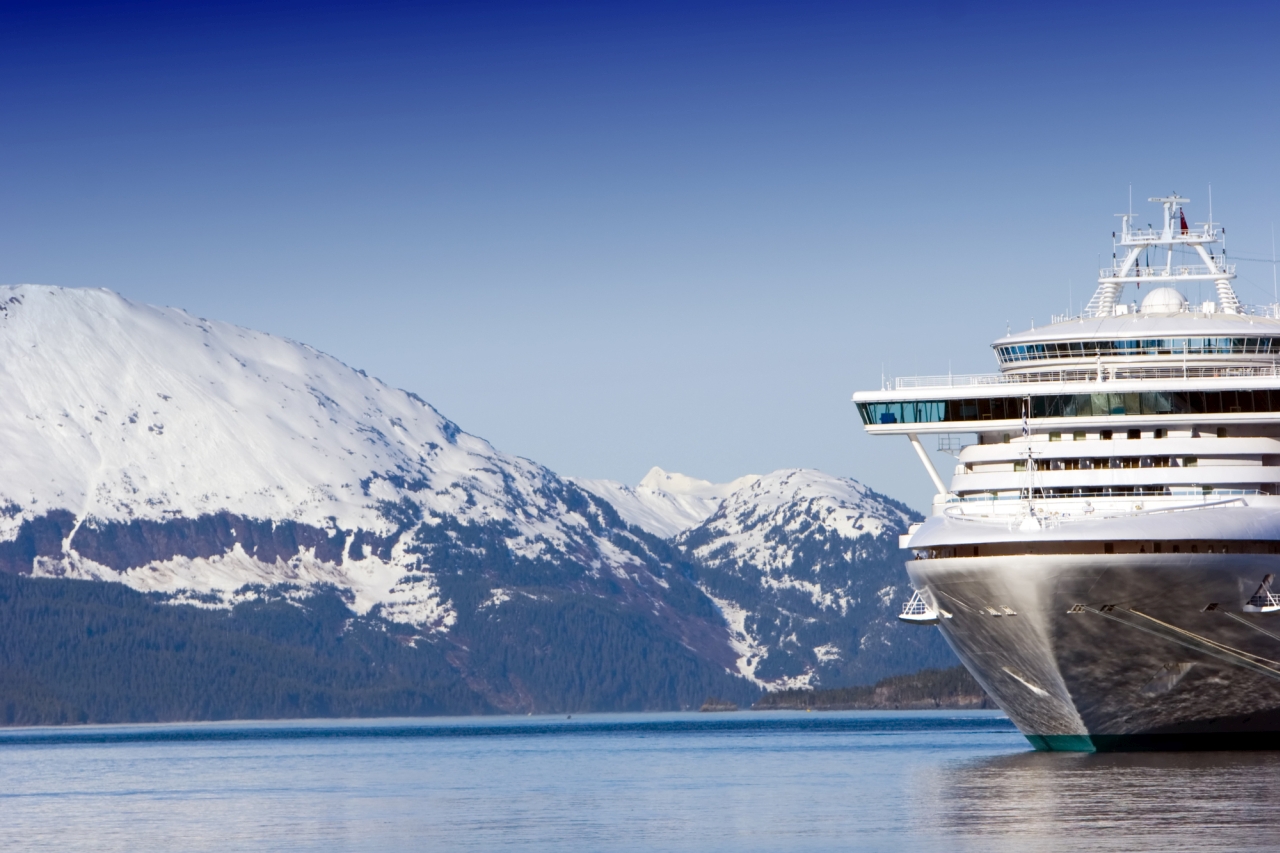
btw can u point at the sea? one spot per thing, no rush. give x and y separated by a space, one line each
745 781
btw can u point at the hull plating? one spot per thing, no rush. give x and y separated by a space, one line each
1109 652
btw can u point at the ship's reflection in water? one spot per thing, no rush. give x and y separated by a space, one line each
1120 801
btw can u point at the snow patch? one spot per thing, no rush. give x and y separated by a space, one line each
496 597
827 653
751 653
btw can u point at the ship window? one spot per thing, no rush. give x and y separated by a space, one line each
1077 436
1176 549
1222 431
1197 403
1160 461
1105 435
1160 433
1149 346
1189 462
1055 436
1133 433
1156 403
1108 548
1155 548
1020 465
1006 438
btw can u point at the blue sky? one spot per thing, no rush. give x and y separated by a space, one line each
611 236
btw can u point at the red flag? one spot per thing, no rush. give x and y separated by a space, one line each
1185 229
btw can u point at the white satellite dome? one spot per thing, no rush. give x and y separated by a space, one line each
1164 300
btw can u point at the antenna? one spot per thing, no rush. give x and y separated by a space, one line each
1210 208
1275 292
1131 198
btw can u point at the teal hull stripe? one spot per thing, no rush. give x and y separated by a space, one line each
1062 743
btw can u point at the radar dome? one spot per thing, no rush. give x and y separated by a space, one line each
1164 300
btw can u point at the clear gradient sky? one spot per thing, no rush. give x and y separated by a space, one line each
610 236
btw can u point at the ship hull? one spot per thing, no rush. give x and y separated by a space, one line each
1117 652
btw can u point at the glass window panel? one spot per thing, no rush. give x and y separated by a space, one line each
1155 403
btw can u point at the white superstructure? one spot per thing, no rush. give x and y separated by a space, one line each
1136 445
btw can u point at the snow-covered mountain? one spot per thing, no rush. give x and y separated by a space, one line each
209 464
212 463
665 504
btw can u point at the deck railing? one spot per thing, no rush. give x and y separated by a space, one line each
1090 311
1154 274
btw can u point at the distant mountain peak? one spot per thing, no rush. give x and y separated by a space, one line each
665 503
794 500
683 485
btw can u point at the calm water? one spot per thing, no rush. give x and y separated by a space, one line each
730 782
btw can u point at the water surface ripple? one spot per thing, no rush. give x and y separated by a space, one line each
704 782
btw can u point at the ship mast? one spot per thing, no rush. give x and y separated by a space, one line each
1174 233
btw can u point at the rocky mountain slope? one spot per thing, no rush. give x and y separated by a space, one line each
805 567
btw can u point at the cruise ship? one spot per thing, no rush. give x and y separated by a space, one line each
1102 560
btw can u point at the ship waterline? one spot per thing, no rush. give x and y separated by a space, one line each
1102 558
